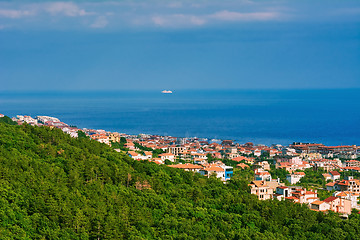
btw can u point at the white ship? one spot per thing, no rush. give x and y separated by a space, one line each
166 91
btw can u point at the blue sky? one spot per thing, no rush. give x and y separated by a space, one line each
151 45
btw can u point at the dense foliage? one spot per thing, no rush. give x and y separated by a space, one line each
7 120
55 187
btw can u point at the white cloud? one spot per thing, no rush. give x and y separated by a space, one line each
177 20
237 16
100 22
10 13
185 20
65 8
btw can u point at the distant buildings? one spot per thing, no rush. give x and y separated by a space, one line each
335 204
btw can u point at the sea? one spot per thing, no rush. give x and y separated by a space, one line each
331 117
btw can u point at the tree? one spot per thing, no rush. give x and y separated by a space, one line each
82 135
7 120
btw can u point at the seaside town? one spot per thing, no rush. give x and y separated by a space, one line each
325 178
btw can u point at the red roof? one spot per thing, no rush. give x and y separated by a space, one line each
330 199
334 173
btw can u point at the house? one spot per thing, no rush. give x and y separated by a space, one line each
228 172
135 155
188 167
148 155
261 189
282 192
349 196
200 161
167 156
348 184
262 175
284 165
296 194
339 205
330 186
305 196
130 145
198 155
264 165
334 175
295 177
100 138
257 152
220 170
213 170
320 206
114 137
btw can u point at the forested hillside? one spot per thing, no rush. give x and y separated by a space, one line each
55 187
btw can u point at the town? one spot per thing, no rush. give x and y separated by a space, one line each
325 178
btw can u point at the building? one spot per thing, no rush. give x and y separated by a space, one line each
262 175
264 165
282 192
334 175
295 177
114 137
296 194
188 167
176 150
352 197
305 196
167 156
213 170
319 206
219 170
135 155
261 189
339 205
351 163
348 184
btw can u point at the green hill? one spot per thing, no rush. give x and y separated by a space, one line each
55 187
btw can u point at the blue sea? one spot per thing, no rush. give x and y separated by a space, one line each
330 117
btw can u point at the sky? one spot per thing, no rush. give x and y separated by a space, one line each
176 45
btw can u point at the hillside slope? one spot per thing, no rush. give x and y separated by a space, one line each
55 187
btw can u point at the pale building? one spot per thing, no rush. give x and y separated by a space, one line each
295 177
176 150
261 189
261 175
167 156
339 205
320 206
349 196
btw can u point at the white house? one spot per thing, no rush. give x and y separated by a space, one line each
334 175
262 175
168 156
294 177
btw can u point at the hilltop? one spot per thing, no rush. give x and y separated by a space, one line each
55 186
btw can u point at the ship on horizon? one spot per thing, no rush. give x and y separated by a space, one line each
166 91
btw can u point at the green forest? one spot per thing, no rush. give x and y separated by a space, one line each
53 186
